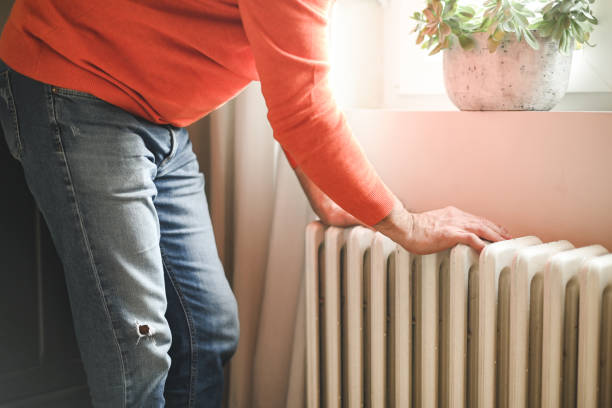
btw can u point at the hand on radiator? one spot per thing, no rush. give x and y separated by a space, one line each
433 231
419 233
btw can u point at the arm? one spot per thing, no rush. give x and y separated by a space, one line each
288 39
419 233
328 211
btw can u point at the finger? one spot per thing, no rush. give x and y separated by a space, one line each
500 230
484 231
472 240
495 227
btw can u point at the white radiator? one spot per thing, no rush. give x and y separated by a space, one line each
523 324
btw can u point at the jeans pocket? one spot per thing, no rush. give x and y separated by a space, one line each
71 92
8 117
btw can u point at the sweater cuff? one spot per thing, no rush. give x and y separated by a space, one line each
377 205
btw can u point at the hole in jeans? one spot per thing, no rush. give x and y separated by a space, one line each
144 330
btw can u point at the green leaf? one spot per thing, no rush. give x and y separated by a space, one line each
498 35
467 43
577 32
566 22
557 31
531 40
507 27
492 28
523 20
563 43
566 6
519 33
450 9
454 25
589 17
580 17
492 45
466 12
547 8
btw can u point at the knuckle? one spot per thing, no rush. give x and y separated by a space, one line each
447 234
472 238
480 229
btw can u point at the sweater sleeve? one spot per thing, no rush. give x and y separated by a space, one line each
289 41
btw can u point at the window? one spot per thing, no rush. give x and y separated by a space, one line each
376 63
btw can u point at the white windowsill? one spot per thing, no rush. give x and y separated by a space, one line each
572 102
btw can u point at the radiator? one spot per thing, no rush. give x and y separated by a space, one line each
524 323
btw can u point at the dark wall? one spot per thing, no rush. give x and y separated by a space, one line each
5 9
39 360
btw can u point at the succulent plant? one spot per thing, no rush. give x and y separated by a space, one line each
567 21
443 22
502 18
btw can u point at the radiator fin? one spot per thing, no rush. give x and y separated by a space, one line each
523 324
595 365
560 270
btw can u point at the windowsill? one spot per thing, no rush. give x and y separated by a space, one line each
572 102
349 111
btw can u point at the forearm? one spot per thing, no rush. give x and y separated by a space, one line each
289 42
395 225
328 211
419 233
293 66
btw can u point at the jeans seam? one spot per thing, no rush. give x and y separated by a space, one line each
85 237
13 113
190 327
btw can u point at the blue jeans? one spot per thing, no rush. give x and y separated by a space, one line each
154 315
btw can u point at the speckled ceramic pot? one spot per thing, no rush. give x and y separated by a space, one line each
514 77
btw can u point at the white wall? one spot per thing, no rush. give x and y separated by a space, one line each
543 173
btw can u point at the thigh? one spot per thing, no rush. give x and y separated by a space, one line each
92 177
202 310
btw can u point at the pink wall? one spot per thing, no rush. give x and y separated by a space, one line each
547 174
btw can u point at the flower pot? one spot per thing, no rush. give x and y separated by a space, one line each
514 77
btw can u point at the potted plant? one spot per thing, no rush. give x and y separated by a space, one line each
506 54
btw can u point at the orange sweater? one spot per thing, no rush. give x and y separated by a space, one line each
174 61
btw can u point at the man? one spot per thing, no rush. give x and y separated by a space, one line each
95 97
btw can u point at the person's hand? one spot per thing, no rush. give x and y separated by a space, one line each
326 209
418 233
433 231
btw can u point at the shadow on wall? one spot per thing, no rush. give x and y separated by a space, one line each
5 9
